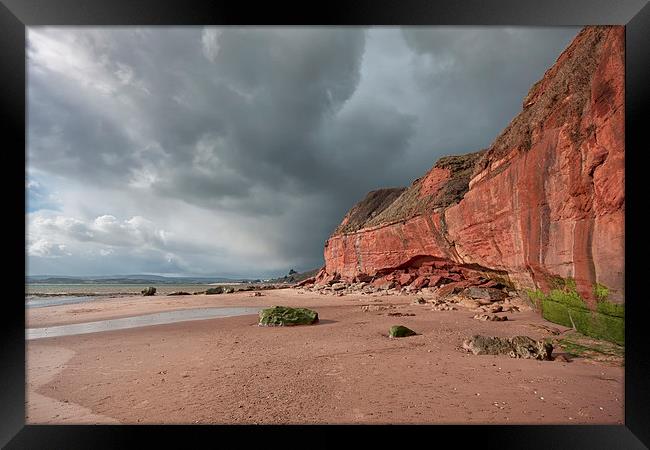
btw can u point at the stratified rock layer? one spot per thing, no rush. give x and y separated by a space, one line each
545 200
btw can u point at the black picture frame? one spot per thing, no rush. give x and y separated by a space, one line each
16 15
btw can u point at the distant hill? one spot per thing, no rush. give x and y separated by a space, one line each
128 279
292 277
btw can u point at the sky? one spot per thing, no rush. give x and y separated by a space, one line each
236 151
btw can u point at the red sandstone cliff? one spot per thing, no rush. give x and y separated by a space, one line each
546 199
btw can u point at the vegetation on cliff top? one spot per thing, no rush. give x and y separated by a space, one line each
368 208
547 96
391 205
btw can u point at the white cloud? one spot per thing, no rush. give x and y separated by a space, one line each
46 249
105 229
210 43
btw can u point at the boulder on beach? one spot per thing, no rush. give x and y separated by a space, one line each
400 331
280 316
516 347
229 290
179 293
484 293
149 291
420 282
215 290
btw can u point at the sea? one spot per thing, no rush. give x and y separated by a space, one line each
38 295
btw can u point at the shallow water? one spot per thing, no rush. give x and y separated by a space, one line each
41 302
160 318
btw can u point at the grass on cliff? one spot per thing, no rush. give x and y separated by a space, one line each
546 95
373 204
391 205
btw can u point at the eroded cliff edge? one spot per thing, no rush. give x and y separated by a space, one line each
545 200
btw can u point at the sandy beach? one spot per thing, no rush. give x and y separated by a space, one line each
342 370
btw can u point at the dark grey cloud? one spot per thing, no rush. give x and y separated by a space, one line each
480 76
252 142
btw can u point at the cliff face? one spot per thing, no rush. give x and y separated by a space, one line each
545 200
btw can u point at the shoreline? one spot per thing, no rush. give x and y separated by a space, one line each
342 370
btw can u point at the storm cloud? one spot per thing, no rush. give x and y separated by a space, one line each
236 151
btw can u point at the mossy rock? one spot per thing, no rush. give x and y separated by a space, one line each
400 331
610 309
515 347
148 291
590 323
601 292
535 297
569 298
564 305
216 290
279 316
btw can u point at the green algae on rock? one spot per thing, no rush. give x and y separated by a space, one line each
148 291
400 331
279 316
565 306
216 290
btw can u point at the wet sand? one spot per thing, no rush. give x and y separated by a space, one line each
343 370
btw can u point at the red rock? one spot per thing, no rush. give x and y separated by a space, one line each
321 275
420 282
405 279
452 288
380 282
546 199
362 277
475 280
433 181
306 282
492 284
436 280
329 279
